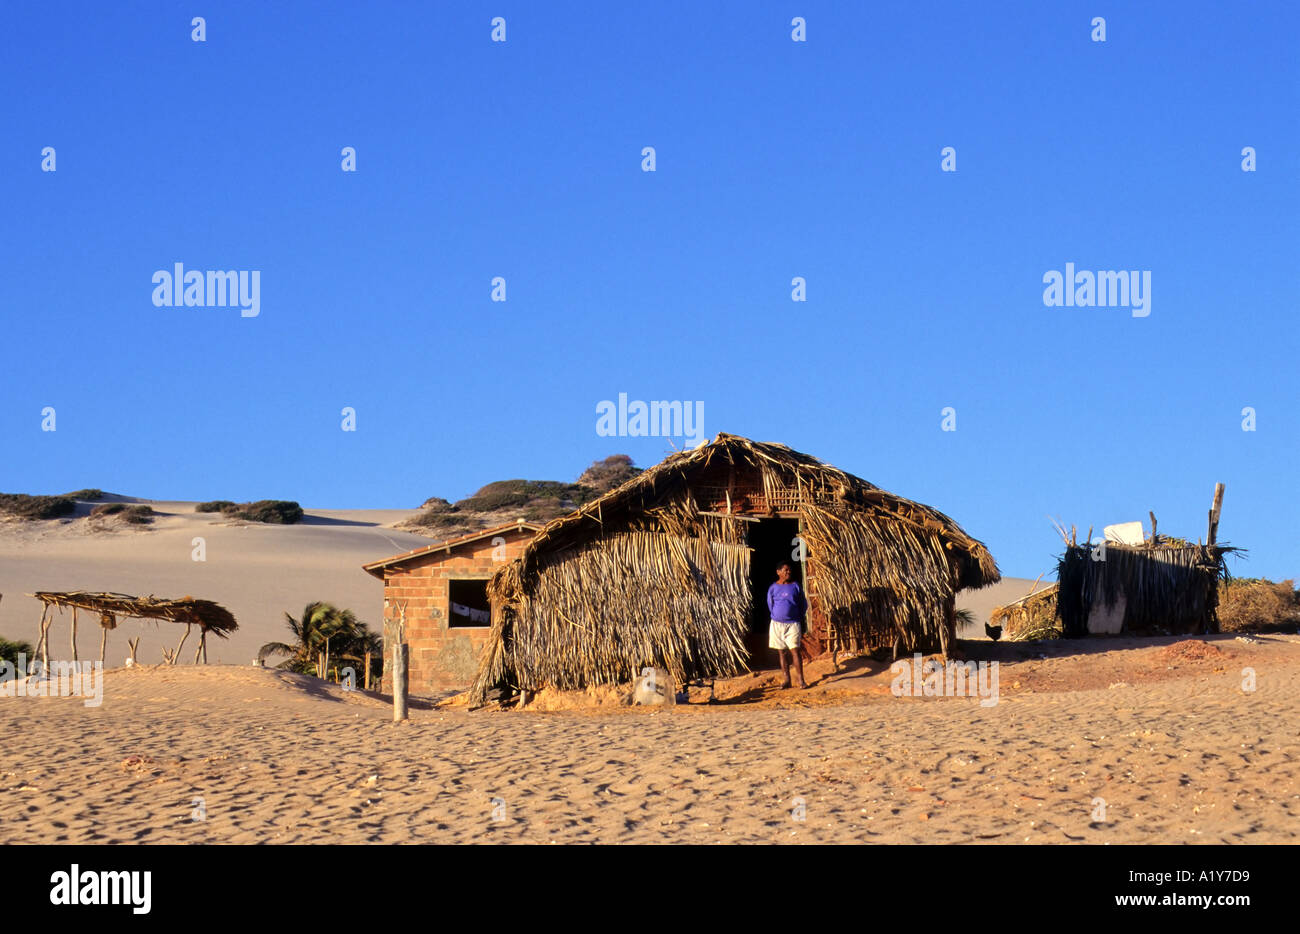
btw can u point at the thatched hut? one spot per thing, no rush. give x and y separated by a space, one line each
671 569
1031 617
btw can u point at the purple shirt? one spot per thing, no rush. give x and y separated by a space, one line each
786 602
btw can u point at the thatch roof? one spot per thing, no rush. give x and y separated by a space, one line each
208 616
774 462
657 570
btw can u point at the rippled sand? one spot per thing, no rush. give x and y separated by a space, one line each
1168 738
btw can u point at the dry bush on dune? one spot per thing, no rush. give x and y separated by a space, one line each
36 507
1256 603
277 511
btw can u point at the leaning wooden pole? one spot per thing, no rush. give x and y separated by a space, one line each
103 643
40 642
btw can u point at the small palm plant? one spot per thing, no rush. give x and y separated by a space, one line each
323 630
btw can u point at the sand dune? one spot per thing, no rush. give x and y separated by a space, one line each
257 571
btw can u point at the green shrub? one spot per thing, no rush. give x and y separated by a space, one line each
89 495
613 471
278 511
107 509
138 515
36 507
436 520
9 651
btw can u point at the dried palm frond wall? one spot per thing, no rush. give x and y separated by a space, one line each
1166 588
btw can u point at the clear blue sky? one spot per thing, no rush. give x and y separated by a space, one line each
775 159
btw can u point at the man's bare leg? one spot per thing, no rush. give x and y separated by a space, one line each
784 658
798 669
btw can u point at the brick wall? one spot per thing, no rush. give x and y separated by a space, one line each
442 658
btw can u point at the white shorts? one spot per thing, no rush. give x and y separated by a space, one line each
783 635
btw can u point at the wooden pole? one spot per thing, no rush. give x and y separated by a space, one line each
400 659
367 675
177 653
1213 535
1153 525
40 642
103 642
74 633
134 644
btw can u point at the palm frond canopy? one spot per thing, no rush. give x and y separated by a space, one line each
207 615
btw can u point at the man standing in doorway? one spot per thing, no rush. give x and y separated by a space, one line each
786 602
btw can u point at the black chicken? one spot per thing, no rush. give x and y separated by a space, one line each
993 632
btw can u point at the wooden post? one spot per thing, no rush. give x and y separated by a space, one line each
401 662
367 675
74 633
103 642
401 657
177 653
1213 535
1153 526
40 642
134 644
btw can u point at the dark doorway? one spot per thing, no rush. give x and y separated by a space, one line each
772 541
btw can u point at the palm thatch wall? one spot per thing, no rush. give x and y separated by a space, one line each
656 572
1167 587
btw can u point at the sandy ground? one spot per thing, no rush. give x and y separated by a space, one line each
1160 729
256 571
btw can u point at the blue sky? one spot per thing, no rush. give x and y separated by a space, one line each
775 159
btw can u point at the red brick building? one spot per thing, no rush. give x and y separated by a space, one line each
442 589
